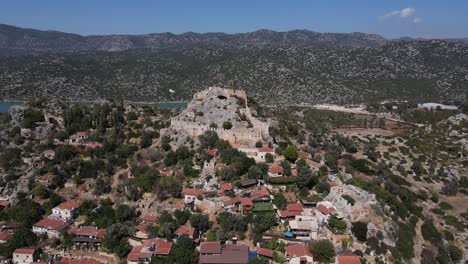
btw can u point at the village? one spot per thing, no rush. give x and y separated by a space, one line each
208 185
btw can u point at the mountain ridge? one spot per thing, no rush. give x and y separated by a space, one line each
419 71
17 41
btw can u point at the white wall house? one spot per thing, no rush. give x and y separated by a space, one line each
66 210
25 255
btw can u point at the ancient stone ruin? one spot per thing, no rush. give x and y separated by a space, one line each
224 111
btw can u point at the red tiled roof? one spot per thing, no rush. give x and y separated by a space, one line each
232 201
265 149
210 248
211 152
245 201
298 250
265 252
325 210
161 247
86 231
226 187
348 258
192 191
28 251
4 203
295 207
276 169
190 231
101 233
142 227
52 224
260 193
69 205
287 213
5 235
150 218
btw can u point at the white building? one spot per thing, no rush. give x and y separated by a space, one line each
54 228
66 210
304 228
25 255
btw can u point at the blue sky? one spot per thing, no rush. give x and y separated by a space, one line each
390 18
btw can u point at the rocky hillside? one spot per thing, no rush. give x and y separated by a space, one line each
417 71
14 40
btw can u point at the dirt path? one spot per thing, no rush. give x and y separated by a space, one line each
101 256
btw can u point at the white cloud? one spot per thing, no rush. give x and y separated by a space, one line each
403 13
417 20
407 12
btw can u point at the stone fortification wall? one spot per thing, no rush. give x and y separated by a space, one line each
242 133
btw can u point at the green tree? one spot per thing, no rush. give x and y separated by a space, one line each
336 225
116 239
269 158
430 232
359 230
259 260
227 125
323 250
200 221
183 251
255 172
456 254
290 153
280 201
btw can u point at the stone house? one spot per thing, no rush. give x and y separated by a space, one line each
66 210
54 228
25 255
275 171
298 254
142 254
191 195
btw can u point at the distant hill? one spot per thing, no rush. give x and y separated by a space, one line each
16 40
406 38
417 71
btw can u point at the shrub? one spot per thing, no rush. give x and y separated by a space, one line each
283 180
455 253
323 250
445 206
430 232
359 230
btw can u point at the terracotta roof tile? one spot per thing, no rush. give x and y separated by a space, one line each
298 250
226 187
27 251
190 231
210 248
265 149
276 169
265 252
52 224
69 205
192 191
349 258
295 207
325 210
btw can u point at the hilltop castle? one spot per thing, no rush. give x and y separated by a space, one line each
224 111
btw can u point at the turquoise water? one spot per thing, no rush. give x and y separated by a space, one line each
5 106
176 105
